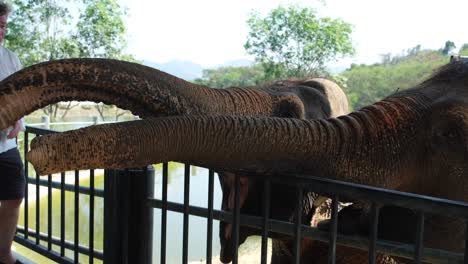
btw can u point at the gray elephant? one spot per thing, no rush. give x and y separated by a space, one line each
150 93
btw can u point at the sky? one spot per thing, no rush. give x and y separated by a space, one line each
212 32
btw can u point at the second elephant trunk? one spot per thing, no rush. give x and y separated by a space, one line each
337 148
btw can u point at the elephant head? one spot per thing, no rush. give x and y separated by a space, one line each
151 93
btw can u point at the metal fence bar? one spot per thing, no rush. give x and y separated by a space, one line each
91 217
77 217
266 215
62 214
418 247
39 131
164 212
68 187
466 244
43 251
379 195
298 225
49 212
57 242
374 225
26 191
209 228
287 228
333 230
38 210
186 213
116 186
140 216
235 227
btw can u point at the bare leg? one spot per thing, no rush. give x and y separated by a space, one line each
9 212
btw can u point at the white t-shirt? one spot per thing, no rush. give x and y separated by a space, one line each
9 63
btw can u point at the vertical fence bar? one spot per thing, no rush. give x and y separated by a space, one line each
418 247
164 212
26 195
62 214
77 217
91 216
186 213
333 230
140 216
373 232
266 216
297 232
236 219
209 228
38 210
49 212
128 221
116 193
465 258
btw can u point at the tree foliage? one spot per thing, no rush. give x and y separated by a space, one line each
366 84
232 76
294 41
101 30
464 50
37 31
448 47
42 30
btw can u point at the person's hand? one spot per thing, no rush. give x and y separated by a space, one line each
16 129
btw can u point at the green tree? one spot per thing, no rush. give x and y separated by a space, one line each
37 31
449 46
294 41
42 30
463 50
101 30
232 76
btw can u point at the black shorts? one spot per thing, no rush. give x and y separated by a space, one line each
12 180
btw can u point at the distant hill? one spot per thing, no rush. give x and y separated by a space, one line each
186 70
189 70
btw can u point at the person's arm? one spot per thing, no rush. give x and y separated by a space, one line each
17 127
20 124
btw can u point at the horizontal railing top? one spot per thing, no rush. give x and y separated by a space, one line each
364 192
39 131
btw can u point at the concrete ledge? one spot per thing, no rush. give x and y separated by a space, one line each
23 259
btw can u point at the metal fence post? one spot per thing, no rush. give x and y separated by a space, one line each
128 221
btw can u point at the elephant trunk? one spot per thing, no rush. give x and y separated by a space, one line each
145 91
346 148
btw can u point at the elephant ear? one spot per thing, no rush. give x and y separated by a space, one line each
290 106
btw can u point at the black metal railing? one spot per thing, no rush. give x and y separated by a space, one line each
129 201
62 244
378 197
